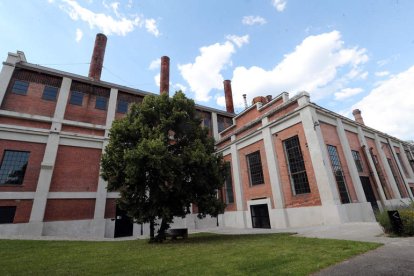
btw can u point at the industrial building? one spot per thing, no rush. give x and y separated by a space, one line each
293 163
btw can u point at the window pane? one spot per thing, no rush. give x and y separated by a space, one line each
229 185
13 167
395 175
76 98
296 166
339 175
122 107
255 168
50 93
357 159
20 87
101 103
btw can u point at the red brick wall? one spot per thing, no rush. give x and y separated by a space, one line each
31 103
69 209
283 111
254 191
76 170
33 168
248 131
82 130
24 123
86 113
330 136
110 208
230 206
387 150
23 209
273 105
310 199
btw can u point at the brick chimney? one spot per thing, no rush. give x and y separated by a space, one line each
228 94
95 69
260 99
357 116
165 75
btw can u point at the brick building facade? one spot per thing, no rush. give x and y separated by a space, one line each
293 163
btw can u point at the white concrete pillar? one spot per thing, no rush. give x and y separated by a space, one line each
215 126
387 168
320 161
6 73
238 185
49 158
353 171
363 142
405 161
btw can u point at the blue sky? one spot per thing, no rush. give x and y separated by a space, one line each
346 54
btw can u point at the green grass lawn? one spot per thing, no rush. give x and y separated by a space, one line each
202 254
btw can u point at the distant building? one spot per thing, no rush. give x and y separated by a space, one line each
293 163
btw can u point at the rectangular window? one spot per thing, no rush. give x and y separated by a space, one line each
101 103
20 87
50 93
13 167
410 159
122 107
395 175
7 214
402 164
339 174
296 166
228 185
76 98
255 168
358 161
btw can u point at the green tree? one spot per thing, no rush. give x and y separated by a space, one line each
161 160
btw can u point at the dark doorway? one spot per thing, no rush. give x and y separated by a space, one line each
260 216
369 193
7 214
123 224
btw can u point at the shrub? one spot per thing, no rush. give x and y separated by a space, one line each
384 221
407 218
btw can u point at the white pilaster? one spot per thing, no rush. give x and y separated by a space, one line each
49 158
400 169
238 185
6 74
353 171
387 168
215 126
328 191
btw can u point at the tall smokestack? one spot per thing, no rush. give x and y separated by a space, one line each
228 94
357 116
165 75
95 69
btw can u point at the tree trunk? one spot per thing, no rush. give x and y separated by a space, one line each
161 232
152 226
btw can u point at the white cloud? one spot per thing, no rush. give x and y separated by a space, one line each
157 79
221 101
253 20
179 86
312 66
155 64
79 35
203 74
238 40
280 5
105 23
151 26
347 93
382 73
389 107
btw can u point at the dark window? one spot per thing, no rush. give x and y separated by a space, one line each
20 87
296 165
7 214
402 164
76 98
395 175
410 159
223 122
255 168
101 103
358 161
339 174
122 107
13 166
50 93
228 185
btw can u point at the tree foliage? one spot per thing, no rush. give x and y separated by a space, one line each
161 160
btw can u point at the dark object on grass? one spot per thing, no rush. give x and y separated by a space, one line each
179 232
396 221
